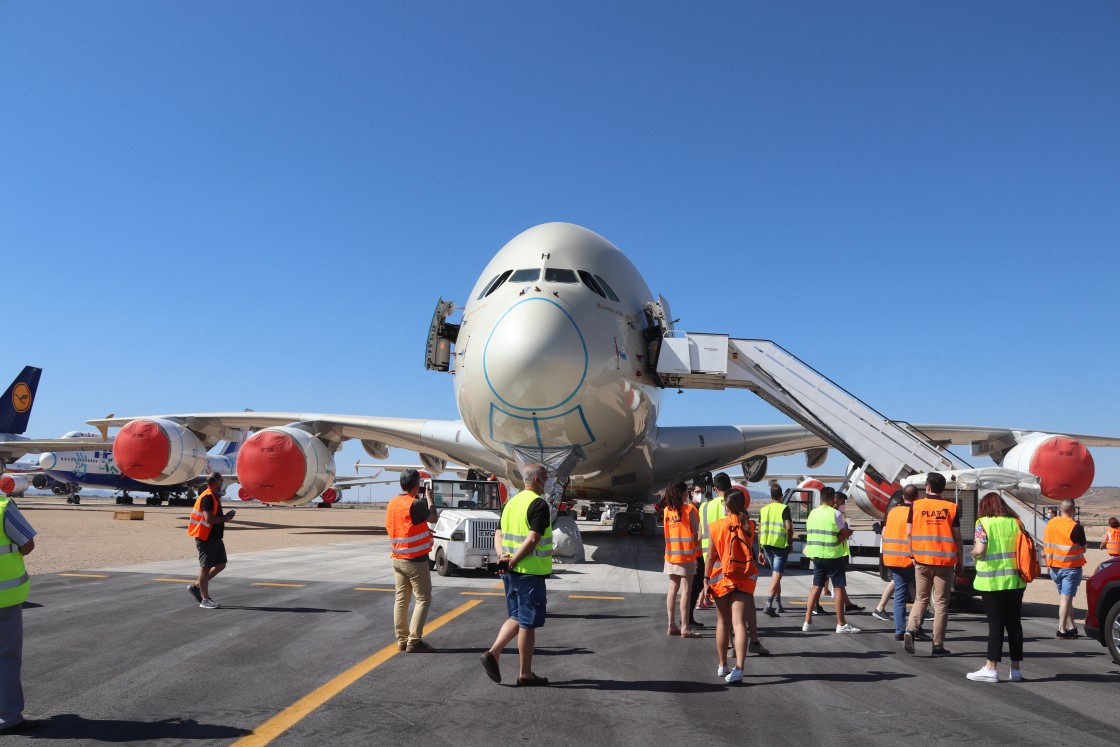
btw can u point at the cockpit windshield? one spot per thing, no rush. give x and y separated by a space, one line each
530 275
556 275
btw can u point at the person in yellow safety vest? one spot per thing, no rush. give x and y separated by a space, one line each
999 584
711 512
826 535
839 502
524 548
1111 542
775 537
208 525
18 539
682 527
410 540
1065 543
934 529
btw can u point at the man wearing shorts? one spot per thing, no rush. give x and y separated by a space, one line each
825 535
524 548
775 527
208 525
1065 554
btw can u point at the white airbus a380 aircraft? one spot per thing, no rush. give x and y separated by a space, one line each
555 359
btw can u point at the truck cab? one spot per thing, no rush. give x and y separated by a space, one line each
470 512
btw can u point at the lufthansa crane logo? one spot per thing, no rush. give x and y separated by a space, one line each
21 397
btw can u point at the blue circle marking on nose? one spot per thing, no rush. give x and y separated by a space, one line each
582 342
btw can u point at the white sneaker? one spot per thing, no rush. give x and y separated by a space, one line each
722 671
983 674
1016 675
735 675
209 604
807 628
847 628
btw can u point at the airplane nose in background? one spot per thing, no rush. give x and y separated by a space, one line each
47 460
536 357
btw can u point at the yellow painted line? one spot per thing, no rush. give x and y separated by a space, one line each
483 593
585 596
86 575
498 585
177 580
370 588
265 583
305 706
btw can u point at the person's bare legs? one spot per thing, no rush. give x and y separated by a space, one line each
526 639
506 633
739 612
723 628
752 622
888 595
838 601
813 601
671 601
686 593
204 575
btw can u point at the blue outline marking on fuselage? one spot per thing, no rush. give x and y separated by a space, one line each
582 341
578 410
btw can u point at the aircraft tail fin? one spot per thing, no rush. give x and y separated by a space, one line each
230 448
15 406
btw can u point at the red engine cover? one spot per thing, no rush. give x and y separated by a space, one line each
879 493
7 484
141 450
746 494
244 494
330 495
1064 466
810 485
271 466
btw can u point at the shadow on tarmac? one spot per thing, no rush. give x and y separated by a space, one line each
301 610
676 687
784 679
73 726
596 616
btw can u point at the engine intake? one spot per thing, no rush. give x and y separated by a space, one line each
158 452
1064 466
284 465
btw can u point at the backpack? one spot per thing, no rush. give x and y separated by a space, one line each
1026 557
738 556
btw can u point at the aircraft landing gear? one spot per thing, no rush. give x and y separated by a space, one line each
124 499
73 498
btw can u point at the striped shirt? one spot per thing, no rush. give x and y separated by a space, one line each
19 531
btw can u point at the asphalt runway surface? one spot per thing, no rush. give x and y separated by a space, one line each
303 653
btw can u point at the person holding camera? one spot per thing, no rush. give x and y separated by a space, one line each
208 527
410 540
524 547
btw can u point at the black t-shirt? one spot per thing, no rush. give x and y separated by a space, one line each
419 510
218 530
1077 536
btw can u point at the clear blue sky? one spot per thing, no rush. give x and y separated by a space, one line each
212 206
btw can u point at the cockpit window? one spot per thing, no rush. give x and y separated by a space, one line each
590 283
496 283
486 288
526 276
610 293
555 275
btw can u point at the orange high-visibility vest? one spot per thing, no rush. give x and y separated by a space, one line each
931 533
680 543
1060 550
407 540
720 533
896 546
1112 541
197 526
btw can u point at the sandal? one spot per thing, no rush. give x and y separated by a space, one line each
673 629
690 633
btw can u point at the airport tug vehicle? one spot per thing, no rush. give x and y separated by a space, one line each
470 511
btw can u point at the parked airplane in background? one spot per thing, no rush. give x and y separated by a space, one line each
97 469
15 412
556 360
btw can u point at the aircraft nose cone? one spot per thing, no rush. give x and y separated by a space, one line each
47 460
535 358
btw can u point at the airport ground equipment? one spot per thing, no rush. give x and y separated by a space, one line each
469 513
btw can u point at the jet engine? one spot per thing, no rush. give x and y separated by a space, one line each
14 485
809 484
158 452
330 495
1064 466
284 465
872 496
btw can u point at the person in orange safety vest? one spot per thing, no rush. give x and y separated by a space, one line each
410 541
682 545
208 525
934 529
1111 542
1064 542
730 573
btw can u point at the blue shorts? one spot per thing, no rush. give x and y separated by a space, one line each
832 569
526 598
1067 580
776 557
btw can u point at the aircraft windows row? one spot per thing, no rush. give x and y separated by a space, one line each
551 275
556 275
530 275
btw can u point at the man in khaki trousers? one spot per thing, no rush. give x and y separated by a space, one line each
410 538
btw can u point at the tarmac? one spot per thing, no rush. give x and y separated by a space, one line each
302 653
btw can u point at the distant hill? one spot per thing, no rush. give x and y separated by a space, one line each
1098 504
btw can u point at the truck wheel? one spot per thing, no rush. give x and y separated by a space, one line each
444 567
1112 631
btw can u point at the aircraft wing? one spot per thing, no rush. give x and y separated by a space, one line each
969 434
10 450
459 470
443 439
